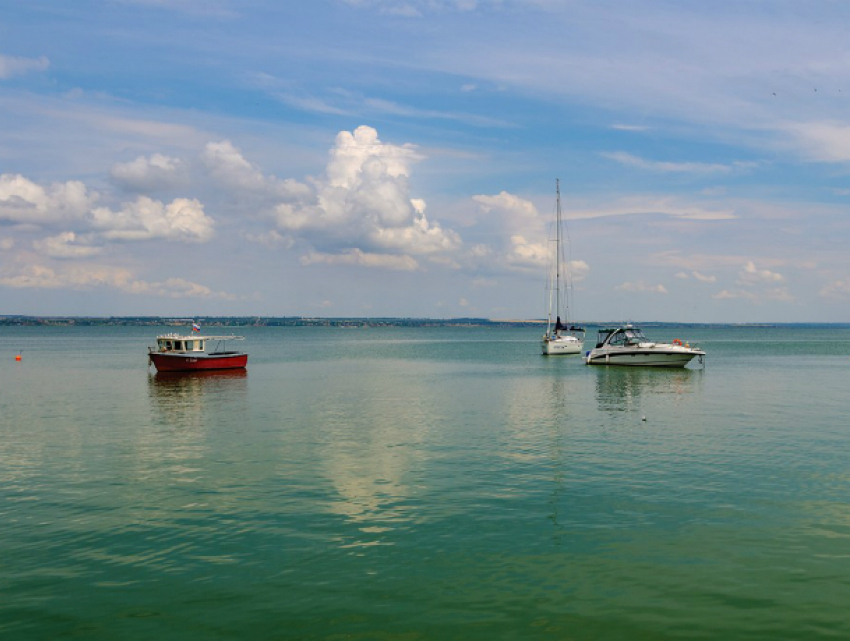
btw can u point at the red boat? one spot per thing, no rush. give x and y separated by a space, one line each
175 353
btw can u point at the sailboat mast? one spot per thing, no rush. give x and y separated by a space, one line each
558 253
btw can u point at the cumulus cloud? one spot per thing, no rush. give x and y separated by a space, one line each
751 275
641 286
360 207
91 277
230 168
23 201
10 66
520 211
524 253
227 164
66 245
146 174
529 247
182 219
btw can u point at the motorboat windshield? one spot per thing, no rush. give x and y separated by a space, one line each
623 336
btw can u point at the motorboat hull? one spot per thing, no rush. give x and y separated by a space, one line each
194 362
643 357
561 346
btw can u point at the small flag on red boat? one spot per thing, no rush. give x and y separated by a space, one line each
196 327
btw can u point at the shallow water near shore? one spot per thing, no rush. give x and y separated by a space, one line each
428 483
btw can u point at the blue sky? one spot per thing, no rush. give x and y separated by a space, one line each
399 157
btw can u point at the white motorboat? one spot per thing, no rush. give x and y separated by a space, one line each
627 345
560 338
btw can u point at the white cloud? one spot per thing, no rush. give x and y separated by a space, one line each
10 66
66 245
359 209
7 243
837 290
519 212
822 141
640 286
529 247
524 253
227 165
727 294
751 275
705 278
682 275
23 201
145 174
145 219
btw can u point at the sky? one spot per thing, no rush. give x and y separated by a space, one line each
399 158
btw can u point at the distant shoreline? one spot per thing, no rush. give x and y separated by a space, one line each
311 321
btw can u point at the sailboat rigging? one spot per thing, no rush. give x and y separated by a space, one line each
560 338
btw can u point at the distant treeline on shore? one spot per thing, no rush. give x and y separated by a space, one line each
304 321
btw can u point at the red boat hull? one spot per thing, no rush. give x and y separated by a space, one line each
198 362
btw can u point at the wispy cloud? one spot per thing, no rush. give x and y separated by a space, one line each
11 66
96 277
654 205
674 167
836 290
641 286
362 259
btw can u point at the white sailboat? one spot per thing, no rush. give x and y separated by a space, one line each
561 338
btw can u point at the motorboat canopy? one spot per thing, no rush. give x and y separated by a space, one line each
177 343
621 336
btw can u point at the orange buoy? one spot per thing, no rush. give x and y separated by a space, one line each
18 357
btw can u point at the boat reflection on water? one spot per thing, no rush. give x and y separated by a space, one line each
189 379
624 388
184 398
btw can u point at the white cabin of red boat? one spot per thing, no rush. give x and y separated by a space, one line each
175 343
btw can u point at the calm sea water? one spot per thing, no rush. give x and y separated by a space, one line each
404 484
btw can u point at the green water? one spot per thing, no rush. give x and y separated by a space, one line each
442 483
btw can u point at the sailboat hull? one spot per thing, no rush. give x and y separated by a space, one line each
561 346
